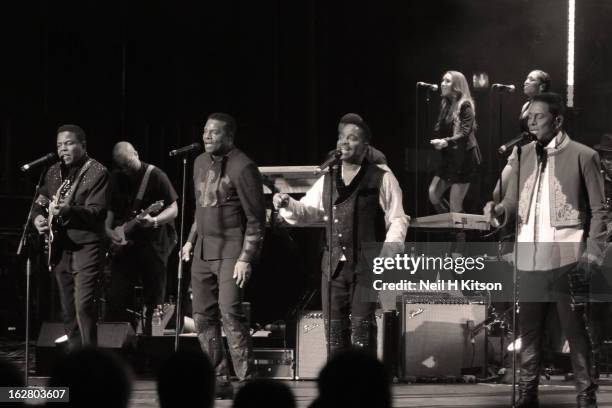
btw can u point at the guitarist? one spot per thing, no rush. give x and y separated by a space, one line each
142 254
78 223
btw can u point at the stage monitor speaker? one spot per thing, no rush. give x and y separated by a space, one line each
442 340
118 336
47 351
312 348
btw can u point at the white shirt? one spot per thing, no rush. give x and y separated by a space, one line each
310 208
540 245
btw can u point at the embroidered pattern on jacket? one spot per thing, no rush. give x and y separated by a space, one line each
525 197
564 212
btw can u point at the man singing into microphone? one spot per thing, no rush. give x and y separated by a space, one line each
367 208
226 238
558 197
74 192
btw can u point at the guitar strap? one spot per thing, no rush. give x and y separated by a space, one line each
77 180
142 188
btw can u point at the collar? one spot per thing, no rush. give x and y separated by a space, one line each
222 156
558 143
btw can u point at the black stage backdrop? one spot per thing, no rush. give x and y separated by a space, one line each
150 71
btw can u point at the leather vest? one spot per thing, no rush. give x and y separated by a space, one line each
357 217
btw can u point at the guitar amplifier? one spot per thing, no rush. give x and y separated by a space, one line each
274 363
441 339
312 348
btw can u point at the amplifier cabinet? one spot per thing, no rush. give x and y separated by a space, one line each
276 363
439 340
312 348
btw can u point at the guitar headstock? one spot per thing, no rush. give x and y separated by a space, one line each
63 189
155 207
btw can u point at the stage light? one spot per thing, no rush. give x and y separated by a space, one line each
571 24
518 342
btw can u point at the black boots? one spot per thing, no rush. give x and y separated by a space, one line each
587 398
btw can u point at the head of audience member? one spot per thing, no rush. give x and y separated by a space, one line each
71 144
186 379
537 81
545 117
10 374
219 133
353 139
264 393
126 158
95 378
353 378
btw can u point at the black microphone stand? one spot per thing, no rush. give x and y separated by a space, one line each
180 258
333 168
23 245
418 134
500 166
515 299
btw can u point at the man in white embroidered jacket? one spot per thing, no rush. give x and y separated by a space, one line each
557 193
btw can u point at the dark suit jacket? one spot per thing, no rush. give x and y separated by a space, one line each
82 221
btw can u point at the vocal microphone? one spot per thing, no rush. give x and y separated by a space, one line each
432 87
48 158
503 87
521 139
331 160
186 149
272 327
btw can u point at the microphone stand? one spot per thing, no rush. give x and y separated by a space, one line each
500 167
419 134
180 260
23 245
416 141
515 299
333 168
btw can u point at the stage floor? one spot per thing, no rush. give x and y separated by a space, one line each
553 394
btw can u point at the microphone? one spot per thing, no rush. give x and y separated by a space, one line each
333 159
185 149
272 327
432 87
503 87
521 139
48 158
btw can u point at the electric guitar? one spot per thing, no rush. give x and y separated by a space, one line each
51 249
124 230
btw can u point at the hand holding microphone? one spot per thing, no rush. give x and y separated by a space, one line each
280 200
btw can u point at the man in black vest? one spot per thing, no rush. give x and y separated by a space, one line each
226 239
141 242
367 208
78 212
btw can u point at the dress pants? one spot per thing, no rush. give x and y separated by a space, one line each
216 299
349 298
77 274
574 324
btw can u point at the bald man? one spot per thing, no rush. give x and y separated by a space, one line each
140 248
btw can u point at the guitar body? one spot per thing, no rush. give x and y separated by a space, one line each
52 247
125 229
